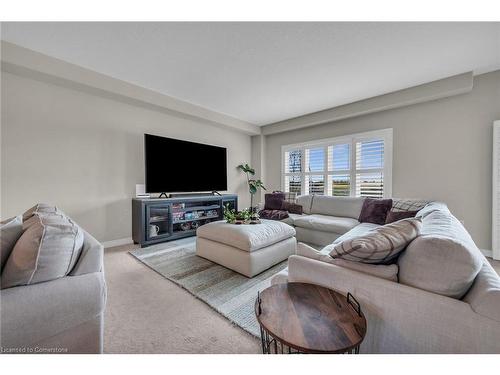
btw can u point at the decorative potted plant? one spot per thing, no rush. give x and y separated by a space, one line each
253 186
229 214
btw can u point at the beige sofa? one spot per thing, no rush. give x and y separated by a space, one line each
447 299
63 315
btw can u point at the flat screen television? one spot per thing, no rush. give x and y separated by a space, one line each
173 165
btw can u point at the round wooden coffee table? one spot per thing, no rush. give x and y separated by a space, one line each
307 318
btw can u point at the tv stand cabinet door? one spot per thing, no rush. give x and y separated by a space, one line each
158 219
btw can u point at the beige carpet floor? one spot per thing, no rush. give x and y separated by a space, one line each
147 313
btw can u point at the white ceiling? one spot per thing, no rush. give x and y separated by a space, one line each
268 72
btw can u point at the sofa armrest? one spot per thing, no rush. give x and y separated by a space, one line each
403 319
39 311
91 257
484 295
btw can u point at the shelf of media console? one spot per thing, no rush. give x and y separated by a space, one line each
196 219
196 208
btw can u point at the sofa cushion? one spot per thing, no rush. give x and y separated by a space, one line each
380 245
306 202
393 216
337 206
444 259
388 272
10 231
246 237
324 223
375 211
47 250
291 218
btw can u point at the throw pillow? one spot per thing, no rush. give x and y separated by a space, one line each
289 196
47 250
403 204
40 209
10 231
393 216
375 211
292 208
273 201
388 272
273 214
380 245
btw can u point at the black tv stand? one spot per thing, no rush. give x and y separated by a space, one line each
215 192
163 194
156 220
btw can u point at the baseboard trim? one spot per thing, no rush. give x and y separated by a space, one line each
487 253
118 242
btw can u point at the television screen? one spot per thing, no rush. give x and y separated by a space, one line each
173 165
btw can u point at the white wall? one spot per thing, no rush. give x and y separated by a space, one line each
84 153
441 150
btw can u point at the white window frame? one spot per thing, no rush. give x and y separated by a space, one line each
385 134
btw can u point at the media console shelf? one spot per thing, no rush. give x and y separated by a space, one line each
156 220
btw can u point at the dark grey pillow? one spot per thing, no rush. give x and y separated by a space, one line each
375 211
273 201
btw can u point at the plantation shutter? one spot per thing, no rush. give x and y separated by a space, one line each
370 168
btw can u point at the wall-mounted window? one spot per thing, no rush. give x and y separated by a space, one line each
357 165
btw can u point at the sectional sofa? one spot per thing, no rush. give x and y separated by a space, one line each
444 298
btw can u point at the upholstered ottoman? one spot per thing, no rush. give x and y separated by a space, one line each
248 248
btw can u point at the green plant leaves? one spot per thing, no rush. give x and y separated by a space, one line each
246 168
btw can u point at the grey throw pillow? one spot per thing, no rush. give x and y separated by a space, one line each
47 250
384 271
41 209
10 231
380 245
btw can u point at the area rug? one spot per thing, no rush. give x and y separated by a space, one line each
227 292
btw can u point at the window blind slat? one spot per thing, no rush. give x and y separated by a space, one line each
315 184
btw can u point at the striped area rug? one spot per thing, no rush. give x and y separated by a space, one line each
227 292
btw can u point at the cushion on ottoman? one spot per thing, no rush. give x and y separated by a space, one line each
246 237
47 250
